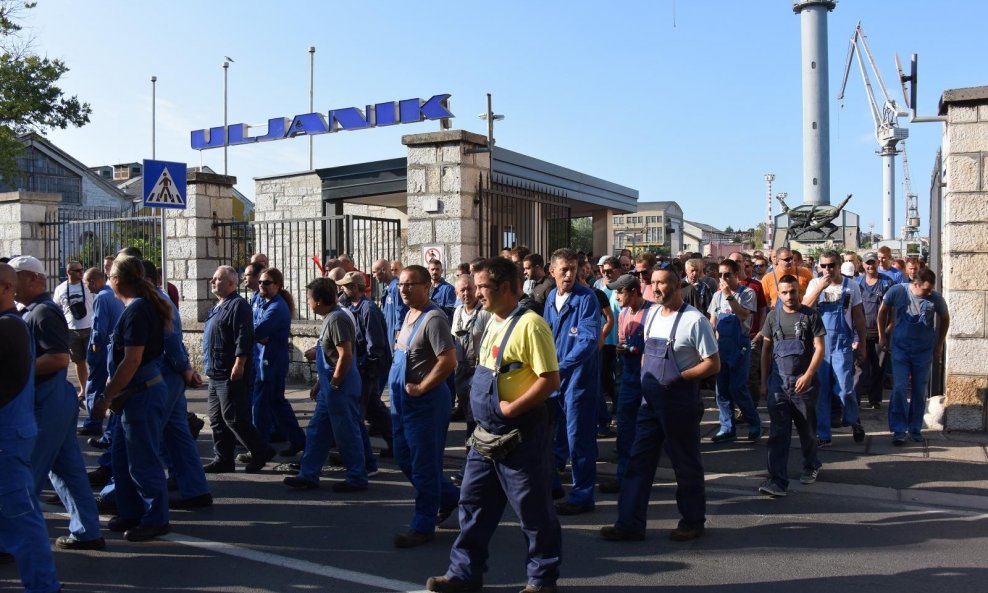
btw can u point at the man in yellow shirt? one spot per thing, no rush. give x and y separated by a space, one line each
518 370
784 264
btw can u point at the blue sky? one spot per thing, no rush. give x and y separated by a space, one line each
688 101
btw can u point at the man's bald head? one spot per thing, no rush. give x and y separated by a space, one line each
8 284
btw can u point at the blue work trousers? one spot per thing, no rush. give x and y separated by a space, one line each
629 399
271 410
57 456
139 478
95 385
732 390
522 481
785 411
576 439
836 377
910 381
337 419
23 533
419 426
675 426
179 448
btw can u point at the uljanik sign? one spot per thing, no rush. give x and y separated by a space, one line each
391 113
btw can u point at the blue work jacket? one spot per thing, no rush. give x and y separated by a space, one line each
576 332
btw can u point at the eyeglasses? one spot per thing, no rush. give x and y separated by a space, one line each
827 266
75 270
266 282
608 270
403 285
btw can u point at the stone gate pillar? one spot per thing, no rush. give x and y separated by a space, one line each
193 244
22 215
965 256
443 183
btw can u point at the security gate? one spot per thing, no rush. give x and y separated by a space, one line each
515 213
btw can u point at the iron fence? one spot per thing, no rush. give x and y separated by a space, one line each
517 213
88 235
300 247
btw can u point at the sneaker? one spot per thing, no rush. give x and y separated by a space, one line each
194 502
823 442
342 487
899 439
143 533
218 467
620 534
412 538
445 584
858 431
568 508
445 512
770 488
257 465
297 483
723 437
69 542
809 476
685 534
530 588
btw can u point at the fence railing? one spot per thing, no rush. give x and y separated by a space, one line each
299 247
516 213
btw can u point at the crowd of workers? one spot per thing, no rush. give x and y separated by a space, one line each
539 358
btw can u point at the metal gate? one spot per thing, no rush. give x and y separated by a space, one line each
88 235
299 247
516 213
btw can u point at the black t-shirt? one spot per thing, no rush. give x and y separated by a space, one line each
805 323
139 325
15 352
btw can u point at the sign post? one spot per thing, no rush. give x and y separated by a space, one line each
164 187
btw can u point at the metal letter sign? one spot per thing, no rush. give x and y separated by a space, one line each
164 185
407 111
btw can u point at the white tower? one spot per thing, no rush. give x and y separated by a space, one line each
816 91
769 178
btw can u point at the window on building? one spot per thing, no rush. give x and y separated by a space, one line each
653 219
42 174
618 220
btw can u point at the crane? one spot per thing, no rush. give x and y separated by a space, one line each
910 230
886 119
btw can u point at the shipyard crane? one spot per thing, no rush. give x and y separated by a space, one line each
888 134
910 230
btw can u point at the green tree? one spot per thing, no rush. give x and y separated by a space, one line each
30 99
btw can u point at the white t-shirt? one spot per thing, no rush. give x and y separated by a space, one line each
65 295
561 300
695 338
834 293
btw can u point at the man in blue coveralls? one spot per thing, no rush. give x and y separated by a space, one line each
424 357
392 306
56 452
516 373
572 312
680 351
917 336
838 300
441 293
23 535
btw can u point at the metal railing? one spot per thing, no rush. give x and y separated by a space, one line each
516 213
299 247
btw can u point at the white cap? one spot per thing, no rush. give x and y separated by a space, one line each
27 263
602 259
847 269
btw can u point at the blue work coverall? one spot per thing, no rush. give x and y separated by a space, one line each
836 374
576 333
106 311
273 322
394 310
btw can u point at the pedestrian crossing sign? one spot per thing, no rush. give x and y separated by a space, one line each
164 184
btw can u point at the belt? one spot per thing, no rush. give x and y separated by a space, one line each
118 402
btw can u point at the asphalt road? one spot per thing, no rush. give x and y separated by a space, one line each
260 537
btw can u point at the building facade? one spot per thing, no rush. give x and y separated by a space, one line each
655 227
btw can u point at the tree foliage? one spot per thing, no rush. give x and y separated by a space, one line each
30 98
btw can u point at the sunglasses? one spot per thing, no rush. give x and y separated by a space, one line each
827 266
266 282
786 259
759 266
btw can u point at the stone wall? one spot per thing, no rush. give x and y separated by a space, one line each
303 336
297 195
21 229
965 256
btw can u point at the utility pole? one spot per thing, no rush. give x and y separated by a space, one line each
312 63
226 136
769 178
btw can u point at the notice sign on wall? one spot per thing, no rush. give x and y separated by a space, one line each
433 252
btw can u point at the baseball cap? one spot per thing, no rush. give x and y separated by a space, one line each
27 263
351 278
847 269
870 256
601 261
623 281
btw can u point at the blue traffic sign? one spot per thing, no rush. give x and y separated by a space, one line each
164 184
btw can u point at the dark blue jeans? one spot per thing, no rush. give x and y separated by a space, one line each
228 406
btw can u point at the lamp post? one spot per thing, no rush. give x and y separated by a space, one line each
312 63
226 137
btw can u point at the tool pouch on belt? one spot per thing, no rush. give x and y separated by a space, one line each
117 403
492 446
